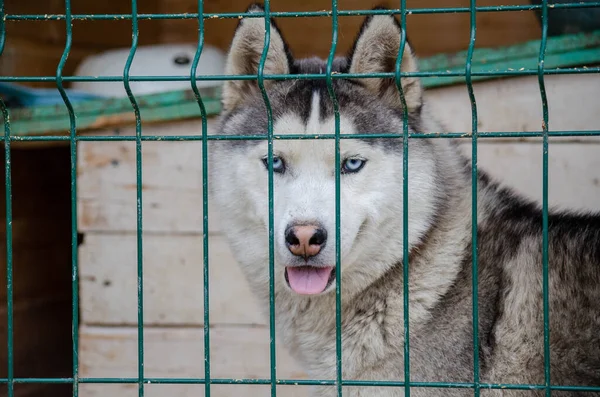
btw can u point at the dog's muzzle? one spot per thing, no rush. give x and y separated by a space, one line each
307 241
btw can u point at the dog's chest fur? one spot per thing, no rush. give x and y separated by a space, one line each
373 337
510 332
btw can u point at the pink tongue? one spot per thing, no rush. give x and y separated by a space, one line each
308 280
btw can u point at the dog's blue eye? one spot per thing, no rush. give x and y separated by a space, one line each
278 164
352 165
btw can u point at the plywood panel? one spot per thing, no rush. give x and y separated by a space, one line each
172 183
173 281
236 353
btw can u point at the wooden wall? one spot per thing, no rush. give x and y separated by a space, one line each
173 236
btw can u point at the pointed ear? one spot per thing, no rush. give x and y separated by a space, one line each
375 51
244 57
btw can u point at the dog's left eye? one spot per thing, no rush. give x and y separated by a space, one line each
278 164
352 165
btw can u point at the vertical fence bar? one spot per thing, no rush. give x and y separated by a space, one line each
261 85
405 253
474 185
338 259
73 176
204 197
545 280
9 254
138 167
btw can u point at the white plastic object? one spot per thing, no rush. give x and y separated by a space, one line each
151 60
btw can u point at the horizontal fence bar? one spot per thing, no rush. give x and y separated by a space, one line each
288 14
99 138
300 382
440 73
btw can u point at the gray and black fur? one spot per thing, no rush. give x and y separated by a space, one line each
509 247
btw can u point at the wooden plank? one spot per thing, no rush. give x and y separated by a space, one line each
430 34
196 390
109 106
579 50
113 112
515 104
172 183
173 281
235 353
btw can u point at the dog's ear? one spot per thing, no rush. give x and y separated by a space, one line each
375 51
245 53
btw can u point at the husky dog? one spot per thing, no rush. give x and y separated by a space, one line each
509 233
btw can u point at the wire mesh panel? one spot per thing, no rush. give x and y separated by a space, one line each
329 77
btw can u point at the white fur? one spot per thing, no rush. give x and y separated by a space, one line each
371 201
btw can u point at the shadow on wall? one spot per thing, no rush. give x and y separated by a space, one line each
576 20
41 249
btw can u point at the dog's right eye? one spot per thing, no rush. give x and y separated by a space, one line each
278 164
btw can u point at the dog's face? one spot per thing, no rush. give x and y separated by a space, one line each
304 170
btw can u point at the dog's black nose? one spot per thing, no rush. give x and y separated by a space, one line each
305 240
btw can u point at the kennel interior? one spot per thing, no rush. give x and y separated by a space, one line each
105 297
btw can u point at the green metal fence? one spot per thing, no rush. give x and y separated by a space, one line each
467 74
